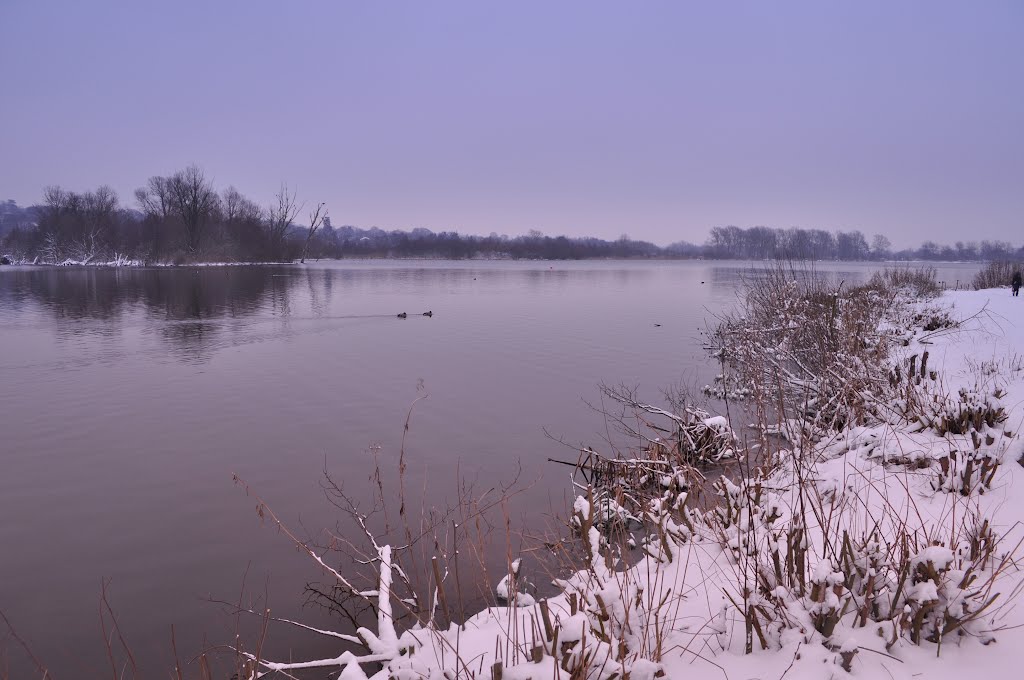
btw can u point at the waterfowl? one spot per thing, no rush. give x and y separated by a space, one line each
430 313
402 315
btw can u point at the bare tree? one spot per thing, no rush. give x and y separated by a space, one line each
194 201
238 208
231 201
280 215
155 201
155 198
56 200
56 203
95 230
880 246
77 226
243 224
316 220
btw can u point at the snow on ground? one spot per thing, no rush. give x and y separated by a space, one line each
679 611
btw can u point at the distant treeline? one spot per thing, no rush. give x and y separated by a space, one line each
182 218
817 244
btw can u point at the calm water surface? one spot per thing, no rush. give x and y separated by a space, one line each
129 397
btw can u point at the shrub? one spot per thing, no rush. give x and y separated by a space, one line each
922 282
996 274
800 340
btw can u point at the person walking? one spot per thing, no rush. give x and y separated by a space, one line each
1016 283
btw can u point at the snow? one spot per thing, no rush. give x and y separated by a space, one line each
926 591
939 556
508 591
718 423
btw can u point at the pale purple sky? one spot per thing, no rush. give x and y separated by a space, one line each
657 119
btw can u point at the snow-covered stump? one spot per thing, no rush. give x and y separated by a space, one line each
383 646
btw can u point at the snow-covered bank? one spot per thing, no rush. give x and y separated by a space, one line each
884 547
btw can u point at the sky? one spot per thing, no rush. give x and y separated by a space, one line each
655 119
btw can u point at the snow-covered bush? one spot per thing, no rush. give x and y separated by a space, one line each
966 472
996 274
680 433
814 344
889 576
917 283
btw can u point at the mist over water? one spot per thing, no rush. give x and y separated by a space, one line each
130 397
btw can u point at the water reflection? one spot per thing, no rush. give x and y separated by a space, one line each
69 294
187 308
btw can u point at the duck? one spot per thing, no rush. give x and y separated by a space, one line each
402 315
430 313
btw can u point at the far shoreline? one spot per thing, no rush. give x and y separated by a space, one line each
135 264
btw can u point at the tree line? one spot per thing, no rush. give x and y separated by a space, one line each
818 244
177 218
182 218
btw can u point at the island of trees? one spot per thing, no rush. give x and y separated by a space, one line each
182 217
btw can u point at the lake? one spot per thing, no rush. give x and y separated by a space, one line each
131 396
